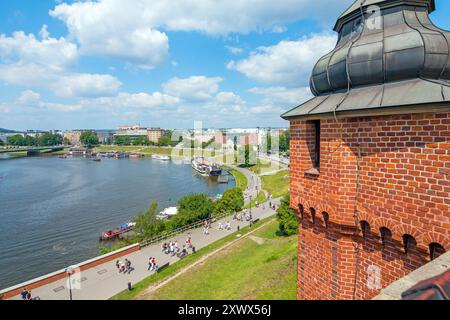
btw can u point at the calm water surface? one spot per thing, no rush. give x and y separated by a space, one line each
53 210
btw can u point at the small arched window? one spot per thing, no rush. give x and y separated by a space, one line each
326 219
436 250
386 235
365 228
313 215
409 243
301 210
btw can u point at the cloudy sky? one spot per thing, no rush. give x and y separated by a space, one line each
98 64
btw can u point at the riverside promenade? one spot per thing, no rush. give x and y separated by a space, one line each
104 281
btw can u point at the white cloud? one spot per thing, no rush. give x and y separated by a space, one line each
50 52
234 50
86 85
44 63
116 29
31 102
29 97
61 83
264 109
229 98
137 100
282 96
131 30
193 88
288 62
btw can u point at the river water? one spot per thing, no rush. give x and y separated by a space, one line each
52 211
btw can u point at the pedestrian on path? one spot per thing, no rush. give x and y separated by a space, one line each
24 294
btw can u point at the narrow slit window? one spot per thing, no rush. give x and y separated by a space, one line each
316 160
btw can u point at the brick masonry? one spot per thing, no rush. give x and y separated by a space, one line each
402 192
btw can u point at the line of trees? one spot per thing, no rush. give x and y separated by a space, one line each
191 209
46 139
89 139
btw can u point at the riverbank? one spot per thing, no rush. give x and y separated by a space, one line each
58 225
103 281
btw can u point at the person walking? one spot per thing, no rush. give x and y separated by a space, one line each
150 264
24 294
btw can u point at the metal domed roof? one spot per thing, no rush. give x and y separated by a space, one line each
377 51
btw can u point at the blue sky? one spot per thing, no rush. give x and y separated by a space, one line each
100 64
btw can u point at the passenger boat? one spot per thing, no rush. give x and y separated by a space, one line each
117 231
160 157
206 168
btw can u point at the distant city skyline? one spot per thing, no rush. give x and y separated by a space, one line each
100 64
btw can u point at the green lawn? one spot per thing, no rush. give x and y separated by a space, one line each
277 185
264 166
241 179
286 282
246 270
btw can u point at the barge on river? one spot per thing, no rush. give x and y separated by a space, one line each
205 167
117 232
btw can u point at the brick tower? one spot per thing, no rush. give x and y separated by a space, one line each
370 153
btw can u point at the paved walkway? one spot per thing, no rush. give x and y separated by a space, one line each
104 281
254 184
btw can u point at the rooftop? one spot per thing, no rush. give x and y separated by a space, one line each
393 59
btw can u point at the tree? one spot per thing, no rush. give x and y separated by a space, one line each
191 209
49 139
122 140
164 141
232 201
287 220
1 142
142 141
246 154
89 139
17 141
147 226
285 140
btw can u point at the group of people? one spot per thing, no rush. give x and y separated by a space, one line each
26 294
224 226
174 249
124 267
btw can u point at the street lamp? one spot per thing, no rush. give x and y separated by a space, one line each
251 208
70 271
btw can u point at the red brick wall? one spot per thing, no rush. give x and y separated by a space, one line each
404 185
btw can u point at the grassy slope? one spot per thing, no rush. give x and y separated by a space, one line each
277 185
174 268
264 166
241 179
246 270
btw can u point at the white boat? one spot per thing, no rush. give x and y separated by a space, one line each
206 168
160 157
167 213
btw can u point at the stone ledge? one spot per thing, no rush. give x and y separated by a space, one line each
430 270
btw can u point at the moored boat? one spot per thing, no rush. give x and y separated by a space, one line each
206 168
160 157
117 231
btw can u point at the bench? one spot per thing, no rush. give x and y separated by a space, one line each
164 266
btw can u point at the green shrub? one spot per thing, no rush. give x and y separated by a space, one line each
286 217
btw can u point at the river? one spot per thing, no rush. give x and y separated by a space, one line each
52 211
